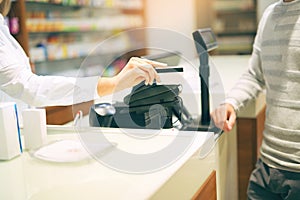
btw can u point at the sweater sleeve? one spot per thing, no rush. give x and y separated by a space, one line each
249 84
252 82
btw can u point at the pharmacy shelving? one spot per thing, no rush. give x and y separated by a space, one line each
235 24
58 36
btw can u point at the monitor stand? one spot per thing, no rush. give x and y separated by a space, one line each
203 124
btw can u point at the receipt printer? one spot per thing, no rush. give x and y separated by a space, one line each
147 106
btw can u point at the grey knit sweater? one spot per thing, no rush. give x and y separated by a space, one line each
275 66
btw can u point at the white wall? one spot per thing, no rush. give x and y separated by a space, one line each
180 15
177 15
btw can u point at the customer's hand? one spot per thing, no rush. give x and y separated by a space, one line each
135 71
224 117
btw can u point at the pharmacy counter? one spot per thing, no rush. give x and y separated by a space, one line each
28 177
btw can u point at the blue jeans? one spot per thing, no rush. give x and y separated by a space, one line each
269 183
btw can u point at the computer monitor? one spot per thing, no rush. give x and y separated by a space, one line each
206 39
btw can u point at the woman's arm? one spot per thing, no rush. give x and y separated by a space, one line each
136 71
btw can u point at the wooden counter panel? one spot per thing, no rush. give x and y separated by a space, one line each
208 191
249 138
60 115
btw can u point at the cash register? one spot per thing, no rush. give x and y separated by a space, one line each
155 106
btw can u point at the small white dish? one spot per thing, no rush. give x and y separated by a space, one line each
66 151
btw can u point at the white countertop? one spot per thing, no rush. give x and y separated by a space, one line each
26 177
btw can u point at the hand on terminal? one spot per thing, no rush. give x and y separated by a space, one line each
135 71
224 117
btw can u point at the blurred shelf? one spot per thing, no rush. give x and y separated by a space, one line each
231 12
75 58
36 5
237 50
119 22
45 33
222 5
236 33
235 24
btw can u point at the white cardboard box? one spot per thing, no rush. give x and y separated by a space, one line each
10 143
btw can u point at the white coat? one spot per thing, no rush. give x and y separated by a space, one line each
17 82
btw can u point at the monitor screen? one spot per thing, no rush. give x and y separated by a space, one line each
209 39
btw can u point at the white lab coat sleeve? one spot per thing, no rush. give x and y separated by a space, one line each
18 81
39 91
